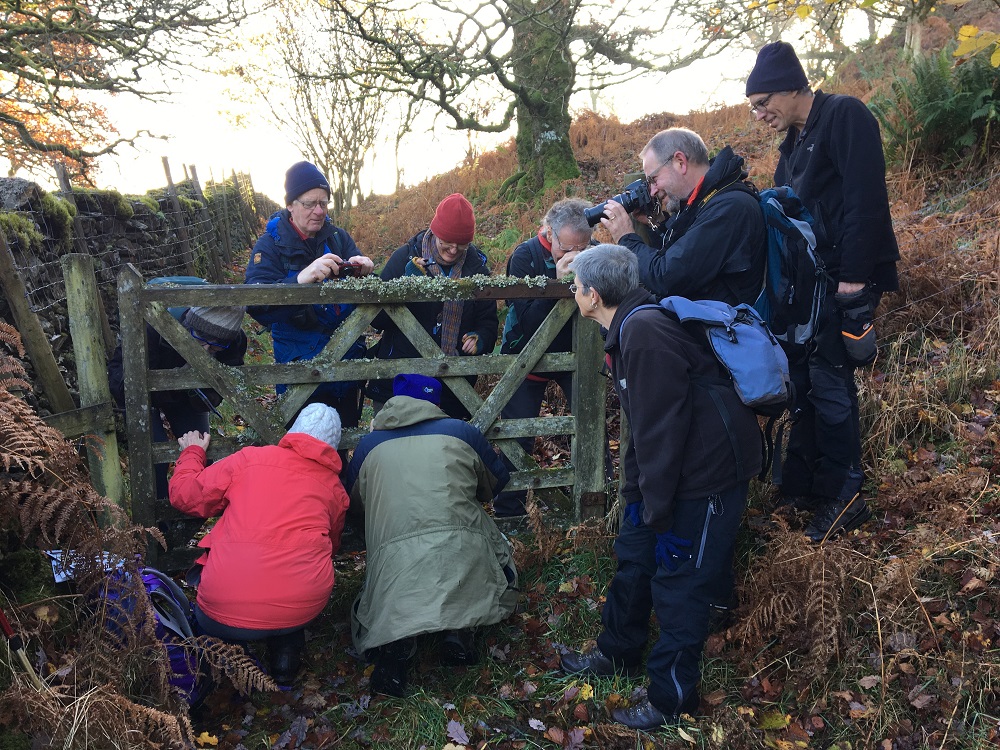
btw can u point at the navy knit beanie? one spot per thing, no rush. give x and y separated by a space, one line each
777 69
301 178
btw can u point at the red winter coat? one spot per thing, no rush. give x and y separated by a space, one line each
282 512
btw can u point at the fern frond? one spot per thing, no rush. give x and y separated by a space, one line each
231 661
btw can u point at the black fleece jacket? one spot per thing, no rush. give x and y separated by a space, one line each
836 166
679 448
714 247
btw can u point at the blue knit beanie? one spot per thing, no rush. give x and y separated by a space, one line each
417 386
301 178
777 69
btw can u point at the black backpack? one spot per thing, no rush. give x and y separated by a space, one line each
795 278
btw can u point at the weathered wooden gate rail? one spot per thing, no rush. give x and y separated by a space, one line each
141 304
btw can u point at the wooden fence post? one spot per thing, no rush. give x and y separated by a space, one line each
186 253
92 371
80 243
227 243
32 335
213 253
590 488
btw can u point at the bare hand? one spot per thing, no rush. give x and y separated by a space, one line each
562 265
470 342
364 264
618 222
194 438
320 269
849 287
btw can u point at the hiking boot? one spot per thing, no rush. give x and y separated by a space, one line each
786 504
458 647
646 716
594 662
838 517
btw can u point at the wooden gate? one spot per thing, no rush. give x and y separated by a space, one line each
141 304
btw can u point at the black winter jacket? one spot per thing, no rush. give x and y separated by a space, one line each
680 448
713 248
836 166
162 356
524 316
478 316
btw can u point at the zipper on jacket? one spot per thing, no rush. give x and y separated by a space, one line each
714 509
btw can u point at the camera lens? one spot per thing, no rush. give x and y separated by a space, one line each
595 214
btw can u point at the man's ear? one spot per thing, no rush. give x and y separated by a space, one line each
682 162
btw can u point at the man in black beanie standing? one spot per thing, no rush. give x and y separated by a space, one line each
832 158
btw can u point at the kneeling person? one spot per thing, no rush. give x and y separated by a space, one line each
436 562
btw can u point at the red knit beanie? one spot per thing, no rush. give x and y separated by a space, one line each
453 220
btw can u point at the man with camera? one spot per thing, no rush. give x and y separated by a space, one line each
713 245
300 245
832 158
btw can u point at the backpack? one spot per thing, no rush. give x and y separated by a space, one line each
749 353
795 278
174 626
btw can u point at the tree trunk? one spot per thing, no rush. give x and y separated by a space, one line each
545 72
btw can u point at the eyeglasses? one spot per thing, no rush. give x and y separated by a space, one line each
574 288
216 344
650 179
568 248
760 106
311 205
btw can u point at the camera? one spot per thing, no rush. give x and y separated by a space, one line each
348 269
635 197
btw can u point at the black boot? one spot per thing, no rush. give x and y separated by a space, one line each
391 664
284 654
595 662
458 647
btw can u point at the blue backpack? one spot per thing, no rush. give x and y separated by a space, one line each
795 278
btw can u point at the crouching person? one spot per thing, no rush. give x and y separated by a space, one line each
436 561
267 570
685 495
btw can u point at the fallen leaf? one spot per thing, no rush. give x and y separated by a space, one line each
773 720
575 737
536 724
207 739
457 732
684 735
870 681
586 692
555 734
580 712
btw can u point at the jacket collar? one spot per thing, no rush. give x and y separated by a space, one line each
634 298
403 411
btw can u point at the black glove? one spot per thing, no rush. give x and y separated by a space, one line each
856 329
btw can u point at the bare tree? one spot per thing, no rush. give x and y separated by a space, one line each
55 52
490 64
319 93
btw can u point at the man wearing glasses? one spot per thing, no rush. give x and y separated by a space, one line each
301 245
713 246
832 158
564 233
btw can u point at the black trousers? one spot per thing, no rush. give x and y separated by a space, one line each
682 599
824 442
525 404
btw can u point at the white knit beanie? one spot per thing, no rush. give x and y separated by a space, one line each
320 421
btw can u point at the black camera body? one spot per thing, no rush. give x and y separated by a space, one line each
635 197
348 269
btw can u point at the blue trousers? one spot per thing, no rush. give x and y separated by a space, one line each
682 599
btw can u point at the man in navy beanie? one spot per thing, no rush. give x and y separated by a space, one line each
300 245
832 158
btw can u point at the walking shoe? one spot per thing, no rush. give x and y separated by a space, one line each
458 647
596 663
837 517
646 716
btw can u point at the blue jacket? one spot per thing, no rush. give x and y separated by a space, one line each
299 331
